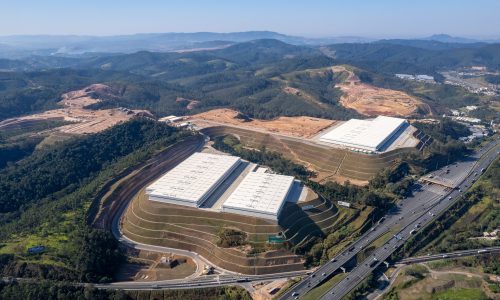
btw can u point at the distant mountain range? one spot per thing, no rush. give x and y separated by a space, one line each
18 46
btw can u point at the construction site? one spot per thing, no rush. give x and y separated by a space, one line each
198 202
74 110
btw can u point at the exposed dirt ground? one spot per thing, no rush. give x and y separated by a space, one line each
262 290
191 103
292 126
74 110
371 101
147 266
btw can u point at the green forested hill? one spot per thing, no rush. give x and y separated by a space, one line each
59 167
398 58
45 197
250 77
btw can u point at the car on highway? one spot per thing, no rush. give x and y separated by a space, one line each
374 262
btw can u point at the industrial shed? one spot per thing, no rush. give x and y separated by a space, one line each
260 195
365 135
191 182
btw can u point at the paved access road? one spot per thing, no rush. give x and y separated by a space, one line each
421 208
153 170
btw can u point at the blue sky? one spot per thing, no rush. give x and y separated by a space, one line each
314 18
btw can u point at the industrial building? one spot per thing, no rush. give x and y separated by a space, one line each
365 135
260 195
192 181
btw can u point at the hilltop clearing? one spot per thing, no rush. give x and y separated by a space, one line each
294 126
75 110
369 100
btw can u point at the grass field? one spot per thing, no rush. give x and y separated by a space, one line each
460 294
423 281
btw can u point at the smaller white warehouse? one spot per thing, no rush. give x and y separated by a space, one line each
260 195
191 182
364 135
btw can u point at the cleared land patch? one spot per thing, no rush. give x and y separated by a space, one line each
292 126
371 101
84 120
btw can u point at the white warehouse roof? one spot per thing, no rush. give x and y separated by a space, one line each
192 181
260 195
364 134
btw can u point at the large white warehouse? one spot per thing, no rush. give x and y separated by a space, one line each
192 181
259 194
367 135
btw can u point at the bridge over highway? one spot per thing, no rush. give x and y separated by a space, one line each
425 205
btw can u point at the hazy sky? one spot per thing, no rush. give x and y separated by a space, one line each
315 18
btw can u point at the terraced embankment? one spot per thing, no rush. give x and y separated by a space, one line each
197 230
326 161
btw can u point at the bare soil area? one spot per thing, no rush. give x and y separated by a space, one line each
303 126
262 290
75 110
371 101
148 266
190 103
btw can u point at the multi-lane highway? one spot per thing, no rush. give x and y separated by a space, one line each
455 254
125 195
426 203
422 206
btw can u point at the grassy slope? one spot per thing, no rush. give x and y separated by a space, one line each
482 216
